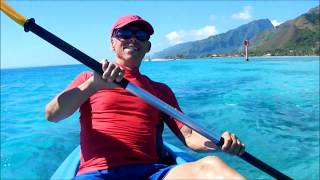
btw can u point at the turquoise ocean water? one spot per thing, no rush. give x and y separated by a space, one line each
272 104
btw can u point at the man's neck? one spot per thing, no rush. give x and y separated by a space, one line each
127 65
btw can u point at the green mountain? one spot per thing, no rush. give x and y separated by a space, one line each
299 36
221 43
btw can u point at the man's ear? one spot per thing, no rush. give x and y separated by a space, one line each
149 46
112 44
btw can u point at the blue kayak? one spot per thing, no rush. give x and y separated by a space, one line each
69 167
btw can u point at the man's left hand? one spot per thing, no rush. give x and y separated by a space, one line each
232 144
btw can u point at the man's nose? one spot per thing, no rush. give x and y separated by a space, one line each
133 39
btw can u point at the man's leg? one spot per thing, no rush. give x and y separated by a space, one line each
210 167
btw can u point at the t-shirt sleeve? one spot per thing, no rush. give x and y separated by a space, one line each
168 96
81 78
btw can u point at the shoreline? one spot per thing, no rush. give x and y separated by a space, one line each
159 59
162 60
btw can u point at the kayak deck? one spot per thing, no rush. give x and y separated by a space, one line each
69 167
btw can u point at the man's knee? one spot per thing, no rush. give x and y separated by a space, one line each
209 163
214 167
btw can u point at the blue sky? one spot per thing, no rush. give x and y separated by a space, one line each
87 24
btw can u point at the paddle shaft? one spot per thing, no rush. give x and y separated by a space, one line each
201 130
30 25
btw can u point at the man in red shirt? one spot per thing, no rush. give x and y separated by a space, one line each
120 134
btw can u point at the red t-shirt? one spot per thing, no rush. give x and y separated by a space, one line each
118 128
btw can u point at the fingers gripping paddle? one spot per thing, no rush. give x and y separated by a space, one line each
30 25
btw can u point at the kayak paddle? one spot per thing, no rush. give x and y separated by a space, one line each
30 25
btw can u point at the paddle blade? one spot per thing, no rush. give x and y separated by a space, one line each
13 14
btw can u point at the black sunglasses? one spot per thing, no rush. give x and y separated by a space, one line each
127 34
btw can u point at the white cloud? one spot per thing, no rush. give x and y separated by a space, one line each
276 23
174 37
181 36
244 14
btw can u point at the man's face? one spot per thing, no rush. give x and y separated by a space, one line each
127 46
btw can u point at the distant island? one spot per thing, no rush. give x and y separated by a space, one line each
296 37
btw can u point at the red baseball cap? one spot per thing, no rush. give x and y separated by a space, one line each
125 20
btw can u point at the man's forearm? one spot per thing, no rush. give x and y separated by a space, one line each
196 141
66 103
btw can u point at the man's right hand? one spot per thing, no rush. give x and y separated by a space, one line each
111 73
